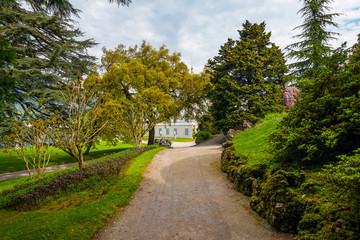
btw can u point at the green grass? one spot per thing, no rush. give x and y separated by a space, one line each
80 222
253 142
177 139
11 164
183 140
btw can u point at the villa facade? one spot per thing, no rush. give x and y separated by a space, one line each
182 128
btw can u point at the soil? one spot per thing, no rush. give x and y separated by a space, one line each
184 195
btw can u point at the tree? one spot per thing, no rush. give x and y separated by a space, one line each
325 123
7 83
73 132
31 143
48 54
314 45
147 86
59 8
247 77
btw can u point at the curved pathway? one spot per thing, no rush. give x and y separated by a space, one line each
184 195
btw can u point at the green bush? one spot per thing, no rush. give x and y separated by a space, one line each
325 122
203 135
345 176
27 197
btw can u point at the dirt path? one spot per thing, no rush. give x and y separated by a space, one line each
184 195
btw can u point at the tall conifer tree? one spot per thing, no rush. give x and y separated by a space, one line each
49 53
313 46
247 77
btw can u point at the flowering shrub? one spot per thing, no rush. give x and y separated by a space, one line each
291 95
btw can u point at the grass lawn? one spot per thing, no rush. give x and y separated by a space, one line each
253 142
183 140
176 140
76 222
11 164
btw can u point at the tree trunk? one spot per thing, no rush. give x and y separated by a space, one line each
138 144
87 151
81 162
151 140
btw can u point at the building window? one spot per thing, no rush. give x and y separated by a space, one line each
175 131
186 131
167 131
160 131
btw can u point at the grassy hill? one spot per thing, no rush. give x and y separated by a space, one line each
253 142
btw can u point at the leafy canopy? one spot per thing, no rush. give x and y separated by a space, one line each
247 77
145 86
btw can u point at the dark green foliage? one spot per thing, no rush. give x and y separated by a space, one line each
345 176
121 2
7 83
325 221
203 135
205 123
27 196
60 8
247 77
48 54
325 123
310 52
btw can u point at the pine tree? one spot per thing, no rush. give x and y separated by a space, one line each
247 77
48 54
313 46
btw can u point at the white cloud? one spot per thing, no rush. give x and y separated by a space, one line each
197 29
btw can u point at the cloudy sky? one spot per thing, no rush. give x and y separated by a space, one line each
197 28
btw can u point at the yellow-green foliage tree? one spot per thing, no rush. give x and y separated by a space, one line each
75 128
145 86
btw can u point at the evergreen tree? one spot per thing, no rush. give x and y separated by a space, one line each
48 54
313 46
7 82
247 77
60 8
325 123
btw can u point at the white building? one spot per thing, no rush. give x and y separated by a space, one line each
182 128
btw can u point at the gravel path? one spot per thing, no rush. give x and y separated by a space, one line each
184 195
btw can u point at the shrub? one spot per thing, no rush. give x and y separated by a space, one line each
345 176
290 97
28 196
325 122
203 135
